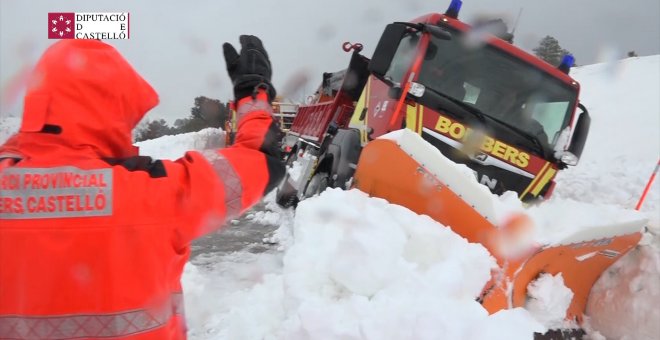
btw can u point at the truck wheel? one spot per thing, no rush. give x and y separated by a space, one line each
287 195
319 182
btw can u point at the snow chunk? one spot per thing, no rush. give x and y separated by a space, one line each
565 221
459 178
549 300
8 126
516 323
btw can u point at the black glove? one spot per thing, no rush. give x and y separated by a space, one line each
249 70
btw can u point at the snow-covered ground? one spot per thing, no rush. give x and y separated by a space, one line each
353 267
173 147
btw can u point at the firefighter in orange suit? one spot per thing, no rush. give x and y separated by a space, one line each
93 237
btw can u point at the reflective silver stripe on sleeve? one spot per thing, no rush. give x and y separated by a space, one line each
231 181
74 326
254 105
31 193
10 155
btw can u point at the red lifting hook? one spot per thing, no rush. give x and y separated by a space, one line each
347 46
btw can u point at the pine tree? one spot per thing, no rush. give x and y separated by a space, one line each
211 111
205 113
153 129
550 51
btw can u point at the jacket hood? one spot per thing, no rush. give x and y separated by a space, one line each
83 97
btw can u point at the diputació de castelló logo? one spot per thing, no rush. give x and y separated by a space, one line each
106 26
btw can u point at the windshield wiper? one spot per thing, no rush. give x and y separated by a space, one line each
535 140
481 116
462 106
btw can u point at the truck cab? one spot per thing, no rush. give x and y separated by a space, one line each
509 116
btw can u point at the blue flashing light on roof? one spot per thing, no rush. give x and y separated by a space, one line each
454 8
566 63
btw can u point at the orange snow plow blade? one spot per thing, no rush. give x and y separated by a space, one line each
581 264
417 176
386 171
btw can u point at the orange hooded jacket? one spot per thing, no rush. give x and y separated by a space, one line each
93 238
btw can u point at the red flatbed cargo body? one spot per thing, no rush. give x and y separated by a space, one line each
335 104
312 121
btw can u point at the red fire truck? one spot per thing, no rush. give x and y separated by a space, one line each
438 92
508 115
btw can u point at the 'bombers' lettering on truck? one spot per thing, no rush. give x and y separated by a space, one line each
490 145
28 193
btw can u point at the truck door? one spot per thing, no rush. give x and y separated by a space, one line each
381 98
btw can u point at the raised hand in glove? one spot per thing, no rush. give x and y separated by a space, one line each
249 70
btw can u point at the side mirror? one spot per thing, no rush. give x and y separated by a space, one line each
386 49
579 135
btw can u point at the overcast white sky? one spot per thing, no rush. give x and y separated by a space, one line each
176 45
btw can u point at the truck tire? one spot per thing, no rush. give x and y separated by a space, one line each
286 195
319 182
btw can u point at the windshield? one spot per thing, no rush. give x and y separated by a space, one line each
500 86
405 54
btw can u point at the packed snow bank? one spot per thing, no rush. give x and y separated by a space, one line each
553 222
8 126
622 98
166 147
370 271
624 143
173 147
566 221
620 155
